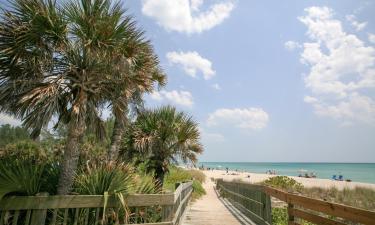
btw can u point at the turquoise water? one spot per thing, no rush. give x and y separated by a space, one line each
360 172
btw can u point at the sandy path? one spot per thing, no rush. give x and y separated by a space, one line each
210 210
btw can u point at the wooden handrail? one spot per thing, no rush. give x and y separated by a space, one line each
347 212
306 208
81 201
250 200
34 207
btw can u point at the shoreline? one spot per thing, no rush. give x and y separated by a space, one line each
306 182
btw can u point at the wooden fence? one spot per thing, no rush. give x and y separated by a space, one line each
319 211
251 200
96 209
248 198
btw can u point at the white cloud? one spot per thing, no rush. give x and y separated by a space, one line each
247 118
6 119
291 45
353 21
195 4
342 69
216 86
186 16
371 38
191 63
356 107
183 98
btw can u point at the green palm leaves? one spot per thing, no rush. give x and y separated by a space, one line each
68 61
162 136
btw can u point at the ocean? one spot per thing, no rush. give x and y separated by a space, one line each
358 172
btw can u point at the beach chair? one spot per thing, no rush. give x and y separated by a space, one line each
334 177
341 178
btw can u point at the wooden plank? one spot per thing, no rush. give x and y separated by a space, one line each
97 212
81 201
65 222
178 211
267 208
39 215
343 211
54 217
86 222
76 218
250 214
180 189
167 213
240 196
290 214
15 217
28 215
314 218
253 187
2 217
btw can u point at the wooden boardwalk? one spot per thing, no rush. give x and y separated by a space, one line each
212 210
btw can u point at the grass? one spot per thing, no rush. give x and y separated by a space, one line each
177 175
358 197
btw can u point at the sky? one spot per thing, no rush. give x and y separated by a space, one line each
268 81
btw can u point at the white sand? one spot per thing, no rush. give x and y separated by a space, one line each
307 182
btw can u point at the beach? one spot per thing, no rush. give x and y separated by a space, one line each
307 182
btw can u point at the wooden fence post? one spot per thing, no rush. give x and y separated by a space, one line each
267 208
290 214
39 215
167 213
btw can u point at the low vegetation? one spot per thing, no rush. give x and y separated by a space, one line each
358 197
284 182
177 175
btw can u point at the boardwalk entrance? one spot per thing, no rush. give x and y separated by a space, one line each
212 210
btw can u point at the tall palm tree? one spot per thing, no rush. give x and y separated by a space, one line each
63 61
144 72
163 136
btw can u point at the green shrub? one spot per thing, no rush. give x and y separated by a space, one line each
27 150
98 178
198 189
27 169
177 175
284 182
24 177
279 216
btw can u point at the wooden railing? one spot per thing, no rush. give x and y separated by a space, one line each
251 200
319 211
96 209
248 199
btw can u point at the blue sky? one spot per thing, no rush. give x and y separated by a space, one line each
268 80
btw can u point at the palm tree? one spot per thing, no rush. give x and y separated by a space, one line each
144 72
63 61
163 136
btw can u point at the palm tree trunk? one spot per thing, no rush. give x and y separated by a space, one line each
71 157
118 130
76 131
159 176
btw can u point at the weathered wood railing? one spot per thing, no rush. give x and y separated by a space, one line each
96 209
249 199
319 211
